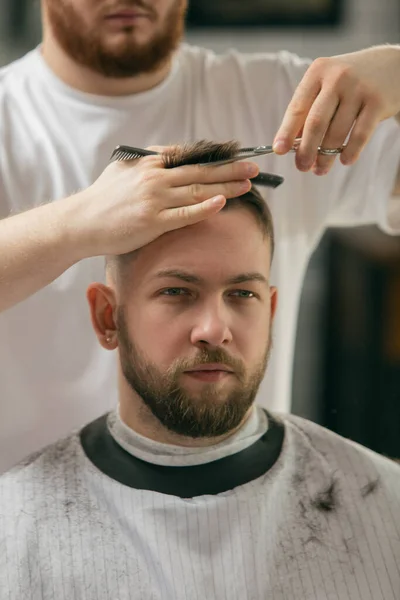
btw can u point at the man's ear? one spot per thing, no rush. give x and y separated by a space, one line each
103 304
274 301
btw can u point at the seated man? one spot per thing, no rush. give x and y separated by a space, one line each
188 490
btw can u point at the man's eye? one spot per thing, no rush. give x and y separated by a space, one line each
176 291
243 294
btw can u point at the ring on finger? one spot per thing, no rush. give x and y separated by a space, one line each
330 151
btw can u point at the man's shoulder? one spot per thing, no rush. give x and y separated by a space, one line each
45 467
45 488
18 71
345 457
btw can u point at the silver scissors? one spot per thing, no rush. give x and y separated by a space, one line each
244 153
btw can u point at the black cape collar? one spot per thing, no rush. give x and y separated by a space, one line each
185 482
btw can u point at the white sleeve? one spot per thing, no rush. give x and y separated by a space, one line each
362 194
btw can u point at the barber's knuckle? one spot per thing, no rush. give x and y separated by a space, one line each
335 137
150 176
229 189
320 64
359 138
297 108
150 162
196 192
344 75
203 170
375 100
334 70
182 212
314 123
203 173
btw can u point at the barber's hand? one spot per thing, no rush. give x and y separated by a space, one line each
360 89
134 202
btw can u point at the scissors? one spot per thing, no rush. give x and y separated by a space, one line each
244 153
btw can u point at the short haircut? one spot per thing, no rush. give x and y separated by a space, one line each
203 152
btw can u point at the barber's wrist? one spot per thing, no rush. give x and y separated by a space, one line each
73 229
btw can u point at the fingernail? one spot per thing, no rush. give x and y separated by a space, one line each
244 186
218 200
320 171
279 146
252 170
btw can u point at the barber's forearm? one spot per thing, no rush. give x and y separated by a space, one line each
36 247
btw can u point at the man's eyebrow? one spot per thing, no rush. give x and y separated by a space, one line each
189 278
176 274
244 277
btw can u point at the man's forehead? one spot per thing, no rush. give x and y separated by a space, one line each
220 248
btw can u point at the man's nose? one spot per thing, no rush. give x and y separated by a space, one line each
211 326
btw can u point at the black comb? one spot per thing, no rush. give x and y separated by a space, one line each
130 153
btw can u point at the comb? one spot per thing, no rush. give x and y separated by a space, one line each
130 153
267 179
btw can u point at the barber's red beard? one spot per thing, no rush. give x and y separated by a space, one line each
84 44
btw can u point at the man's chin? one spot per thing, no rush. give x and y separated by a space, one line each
123 45
207 396
132 39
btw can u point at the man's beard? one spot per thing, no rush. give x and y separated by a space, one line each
85 45
210 413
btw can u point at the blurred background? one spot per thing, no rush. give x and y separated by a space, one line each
347 359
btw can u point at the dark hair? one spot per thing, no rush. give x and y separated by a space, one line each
255 203
202 152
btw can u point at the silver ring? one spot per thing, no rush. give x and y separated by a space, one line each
330 151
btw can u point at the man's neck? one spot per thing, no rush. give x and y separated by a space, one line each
83 79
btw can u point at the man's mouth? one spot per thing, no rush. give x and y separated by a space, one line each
210 372
127 16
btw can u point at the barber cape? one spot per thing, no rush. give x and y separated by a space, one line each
283 509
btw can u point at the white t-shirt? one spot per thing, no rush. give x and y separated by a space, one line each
320 521
54 140
159 453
